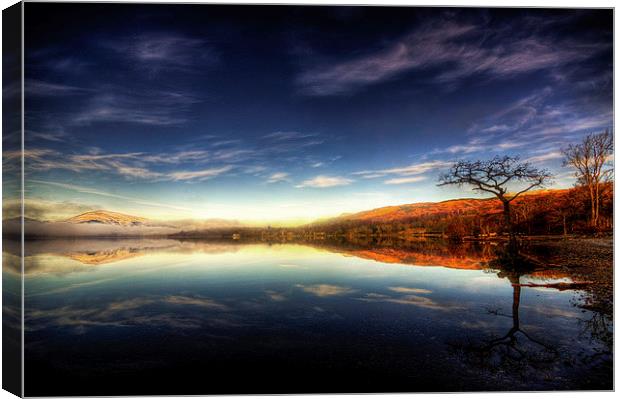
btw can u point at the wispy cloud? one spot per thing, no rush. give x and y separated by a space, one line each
131 165
545 157
406 174
136 100
194 161
136 172
405 54
481 144
538 118
193 156
35 87
199 175
456 50
232 154
102 193
515 115
405 180
55 136
325 181
288 136
161 51
282 142
146 107
278 177
223 143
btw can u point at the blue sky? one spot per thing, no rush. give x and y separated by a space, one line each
287 114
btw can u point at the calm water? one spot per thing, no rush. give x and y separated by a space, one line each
170 317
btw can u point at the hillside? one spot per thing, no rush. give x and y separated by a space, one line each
561 211
108 218
407 211
465 206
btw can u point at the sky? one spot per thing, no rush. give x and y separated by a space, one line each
281 114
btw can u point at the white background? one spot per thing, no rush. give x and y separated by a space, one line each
496 3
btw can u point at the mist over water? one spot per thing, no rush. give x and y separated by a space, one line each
193 317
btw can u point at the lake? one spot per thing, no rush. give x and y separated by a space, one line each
159 316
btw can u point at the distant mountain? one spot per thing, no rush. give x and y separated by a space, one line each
107 218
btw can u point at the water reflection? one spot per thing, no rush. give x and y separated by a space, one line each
152 316
516 352
524 354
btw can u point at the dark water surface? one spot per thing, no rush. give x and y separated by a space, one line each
111 317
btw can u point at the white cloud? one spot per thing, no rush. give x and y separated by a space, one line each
405 180
325 181
177 157
199 175
545 157
278 177
417 169
410 170
479 144
232 155
137 172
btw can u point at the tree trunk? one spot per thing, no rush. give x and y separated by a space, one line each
592 207
596 206
516 300
507 218
512 245
564 223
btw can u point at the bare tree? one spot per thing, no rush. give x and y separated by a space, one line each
591 158
495 176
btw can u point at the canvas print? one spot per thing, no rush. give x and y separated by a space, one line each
230 199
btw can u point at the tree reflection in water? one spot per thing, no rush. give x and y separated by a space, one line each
517 347
520 353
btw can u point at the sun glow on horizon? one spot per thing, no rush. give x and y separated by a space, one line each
63 201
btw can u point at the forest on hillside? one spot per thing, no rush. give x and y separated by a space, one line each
540 213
